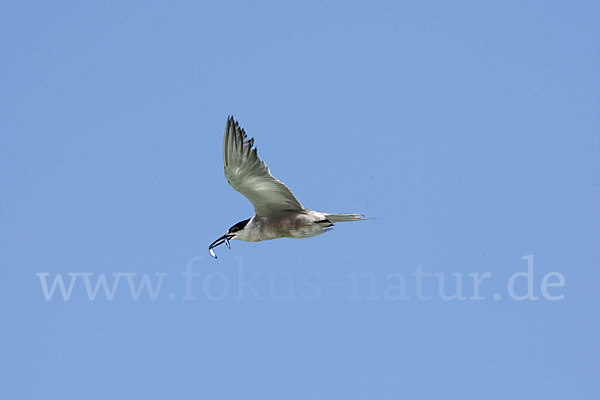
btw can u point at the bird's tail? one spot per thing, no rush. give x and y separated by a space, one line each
345 217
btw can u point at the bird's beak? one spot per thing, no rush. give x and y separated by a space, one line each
223 239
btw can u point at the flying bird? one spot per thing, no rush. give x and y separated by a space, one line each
278 213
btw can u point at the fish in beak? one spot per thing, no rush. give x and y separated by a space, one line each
223 239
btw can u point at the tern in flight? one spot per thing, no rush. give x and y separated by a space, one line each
278 213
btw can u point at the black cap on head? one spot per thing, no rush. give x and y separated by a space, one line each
239 226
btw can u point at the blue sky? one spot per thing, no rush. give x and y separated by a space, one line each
469 130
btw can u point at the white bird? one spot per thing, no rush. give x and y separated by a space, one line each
278 213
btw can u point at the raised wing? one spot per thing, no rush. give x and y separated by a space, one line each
250 176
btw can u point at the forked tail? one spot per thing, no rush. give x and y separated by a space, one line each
345 217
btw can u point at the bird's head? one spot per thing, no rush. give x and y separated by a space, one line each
230 235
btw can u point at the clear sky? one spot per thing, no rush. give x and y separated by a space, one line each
470 130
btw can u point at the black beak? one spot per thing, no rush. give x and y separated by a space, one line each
223 239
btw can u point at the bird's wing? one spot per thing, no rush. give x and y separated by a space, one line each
250 176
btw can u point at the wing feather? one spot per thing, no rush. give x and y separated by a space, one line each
250 176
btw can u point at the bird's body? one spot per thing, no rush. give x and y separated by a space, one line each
278 213
291 224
